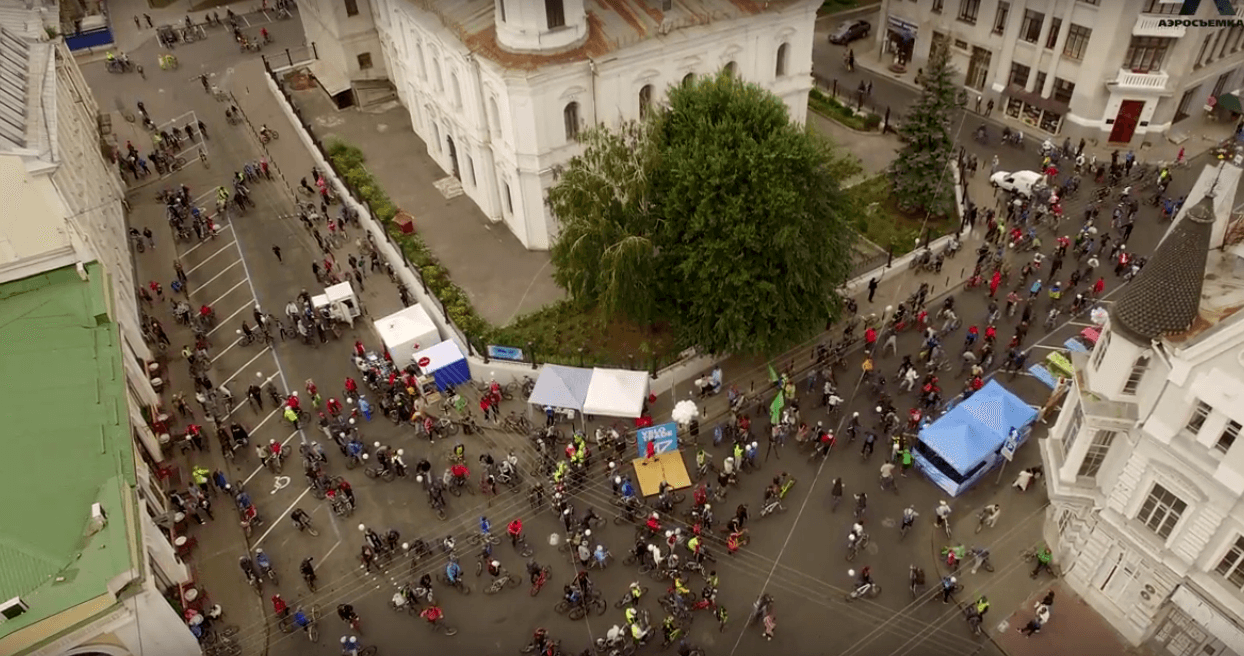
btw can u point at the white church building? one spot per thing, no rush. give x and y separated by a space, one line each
499 89
1145 465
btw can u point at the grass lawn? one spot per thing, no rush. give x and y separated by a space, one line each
884 224
831 108
835 6
559 331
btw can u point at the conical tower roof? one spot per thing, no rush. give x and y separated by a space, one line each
1165 297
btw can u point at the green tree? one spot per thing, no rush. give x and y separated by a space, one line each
732 215
922 178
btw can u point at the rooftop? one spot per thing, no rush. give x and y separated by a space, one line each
27 81
66 445
612 24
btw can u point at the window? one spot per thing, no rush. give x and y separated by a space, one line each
453 81
509 198
1185 104
1161 511
937 6
1221 84
364 60
1199 414
1146 53
940 43
732 69
1063 90
1231 567
1030 30
1019 74
1228 436
470 165
782 52
440 78
1091 2
1200 55
1096 453
352 8
961 44
570 115
1137 374
1073 430
1103 344
423 65
1051 39
1162 7
978 68
555 12
999 19
688 79
645 101
968 10
1077 41
501 8
494 117
1039 85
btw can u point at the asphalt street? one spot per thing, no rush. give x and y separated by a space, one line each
797 556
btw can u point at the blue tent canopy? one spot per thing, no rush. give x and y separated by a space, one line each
965 441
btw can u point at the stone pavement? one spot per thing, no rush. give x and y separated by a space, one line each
503 279
1074 628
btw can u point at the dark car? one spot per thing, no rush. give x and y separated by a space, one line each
850 31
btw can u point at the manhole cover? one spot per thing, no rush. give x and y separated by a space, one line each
299 80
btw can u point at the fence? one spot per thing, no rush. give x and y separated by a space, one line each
290 57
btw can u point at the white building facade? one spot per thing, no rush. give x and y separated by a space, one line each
63 198
499 89
1144 466
1093 69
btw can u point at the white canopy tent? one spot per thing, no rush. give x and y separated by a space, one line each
561 387
407 332
616 393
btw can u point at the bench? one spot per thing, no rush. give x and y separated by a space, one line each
1059 364
1075 345
1042 374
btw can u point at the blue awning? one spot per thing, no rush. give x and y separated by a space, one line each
977 428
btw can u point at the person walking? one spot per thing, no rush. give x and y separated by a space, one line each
1034 625
989 107
872 289
276 250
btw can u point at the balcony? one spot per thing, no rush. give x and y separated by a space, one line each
1150 25
1154 82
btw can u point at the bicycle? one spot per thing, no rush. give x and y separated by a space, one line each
856 546
313 630
502 582
541 579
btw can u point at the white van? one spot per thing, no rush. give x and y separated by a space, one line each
1022 182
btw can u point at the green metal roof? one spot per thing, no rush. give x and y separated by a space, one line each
64 444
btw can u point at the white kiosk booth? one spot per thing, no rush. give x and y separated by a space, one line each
407 332
340 303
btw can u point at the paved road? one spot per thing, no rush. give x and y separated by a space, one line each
796 556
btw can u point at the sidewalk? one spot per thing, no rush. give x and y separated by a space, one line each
1074 628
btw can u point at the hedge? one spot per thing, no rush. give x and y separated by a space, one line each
833 109
348 161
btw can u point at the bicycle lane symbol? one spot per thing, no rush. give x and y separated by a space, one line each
279 483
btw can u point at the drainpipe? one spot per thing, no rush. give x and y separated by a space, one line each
591 65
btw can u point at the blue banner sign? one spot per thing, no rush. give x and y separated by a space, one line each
505 353
663 436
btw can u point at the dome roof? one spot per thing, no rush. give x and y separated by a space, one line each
1165 297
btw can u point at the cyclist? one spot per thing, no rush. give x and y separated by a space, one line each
350 646
866 577
948 588
453 572
634 593
989 514
982 606
909 517
943 514
861 504
279 606
494 568
347 614
459 452
432 614
669 629
300 518
308 570
916 578
515 529
836 492
1043 561
540 640
533 570
301 620
248 568
261 559
572 595
857 535
583 583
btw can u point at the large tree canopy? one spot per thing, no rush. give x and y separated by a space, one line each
716 213
922 178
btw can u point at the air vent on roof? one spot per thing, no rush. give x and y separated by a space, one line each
667 5
12 609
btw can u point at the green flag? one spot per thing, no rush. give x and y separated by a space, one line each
773 377
775 409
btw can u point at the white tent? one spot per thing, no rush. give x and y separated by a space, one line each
407 332
616 393
561 387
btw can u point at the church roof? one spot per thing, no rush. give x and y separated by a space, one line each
1165 297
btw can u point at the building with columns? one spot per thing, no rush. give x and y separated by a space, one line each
499 89
1145 465
1117 72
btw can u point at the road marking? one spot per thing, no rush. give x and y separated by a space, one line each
227 349
248 363
221 324
279 483
273 524
221 228
222 272
240 283
261 467
218 252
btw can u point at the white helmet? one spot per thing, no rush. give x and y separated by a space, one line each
495 563
401 452
855 415
362 527
850 572
617 480
708 506
954 580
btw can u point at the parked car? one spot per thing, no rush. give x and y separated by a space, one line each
1023 182
850 31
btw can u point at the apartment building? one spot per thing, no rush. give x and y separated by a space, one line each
1113 72
1145 465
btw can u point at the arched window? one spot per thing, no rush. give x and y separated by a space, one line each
570 115
494 117
440 79
688 79
783 52
645 101
732 69
453 79
423 65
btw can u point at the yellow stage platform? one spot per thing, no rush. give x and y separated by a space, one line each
668 467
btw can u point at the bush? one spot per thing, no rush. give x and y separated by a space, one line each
872 122
831 108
